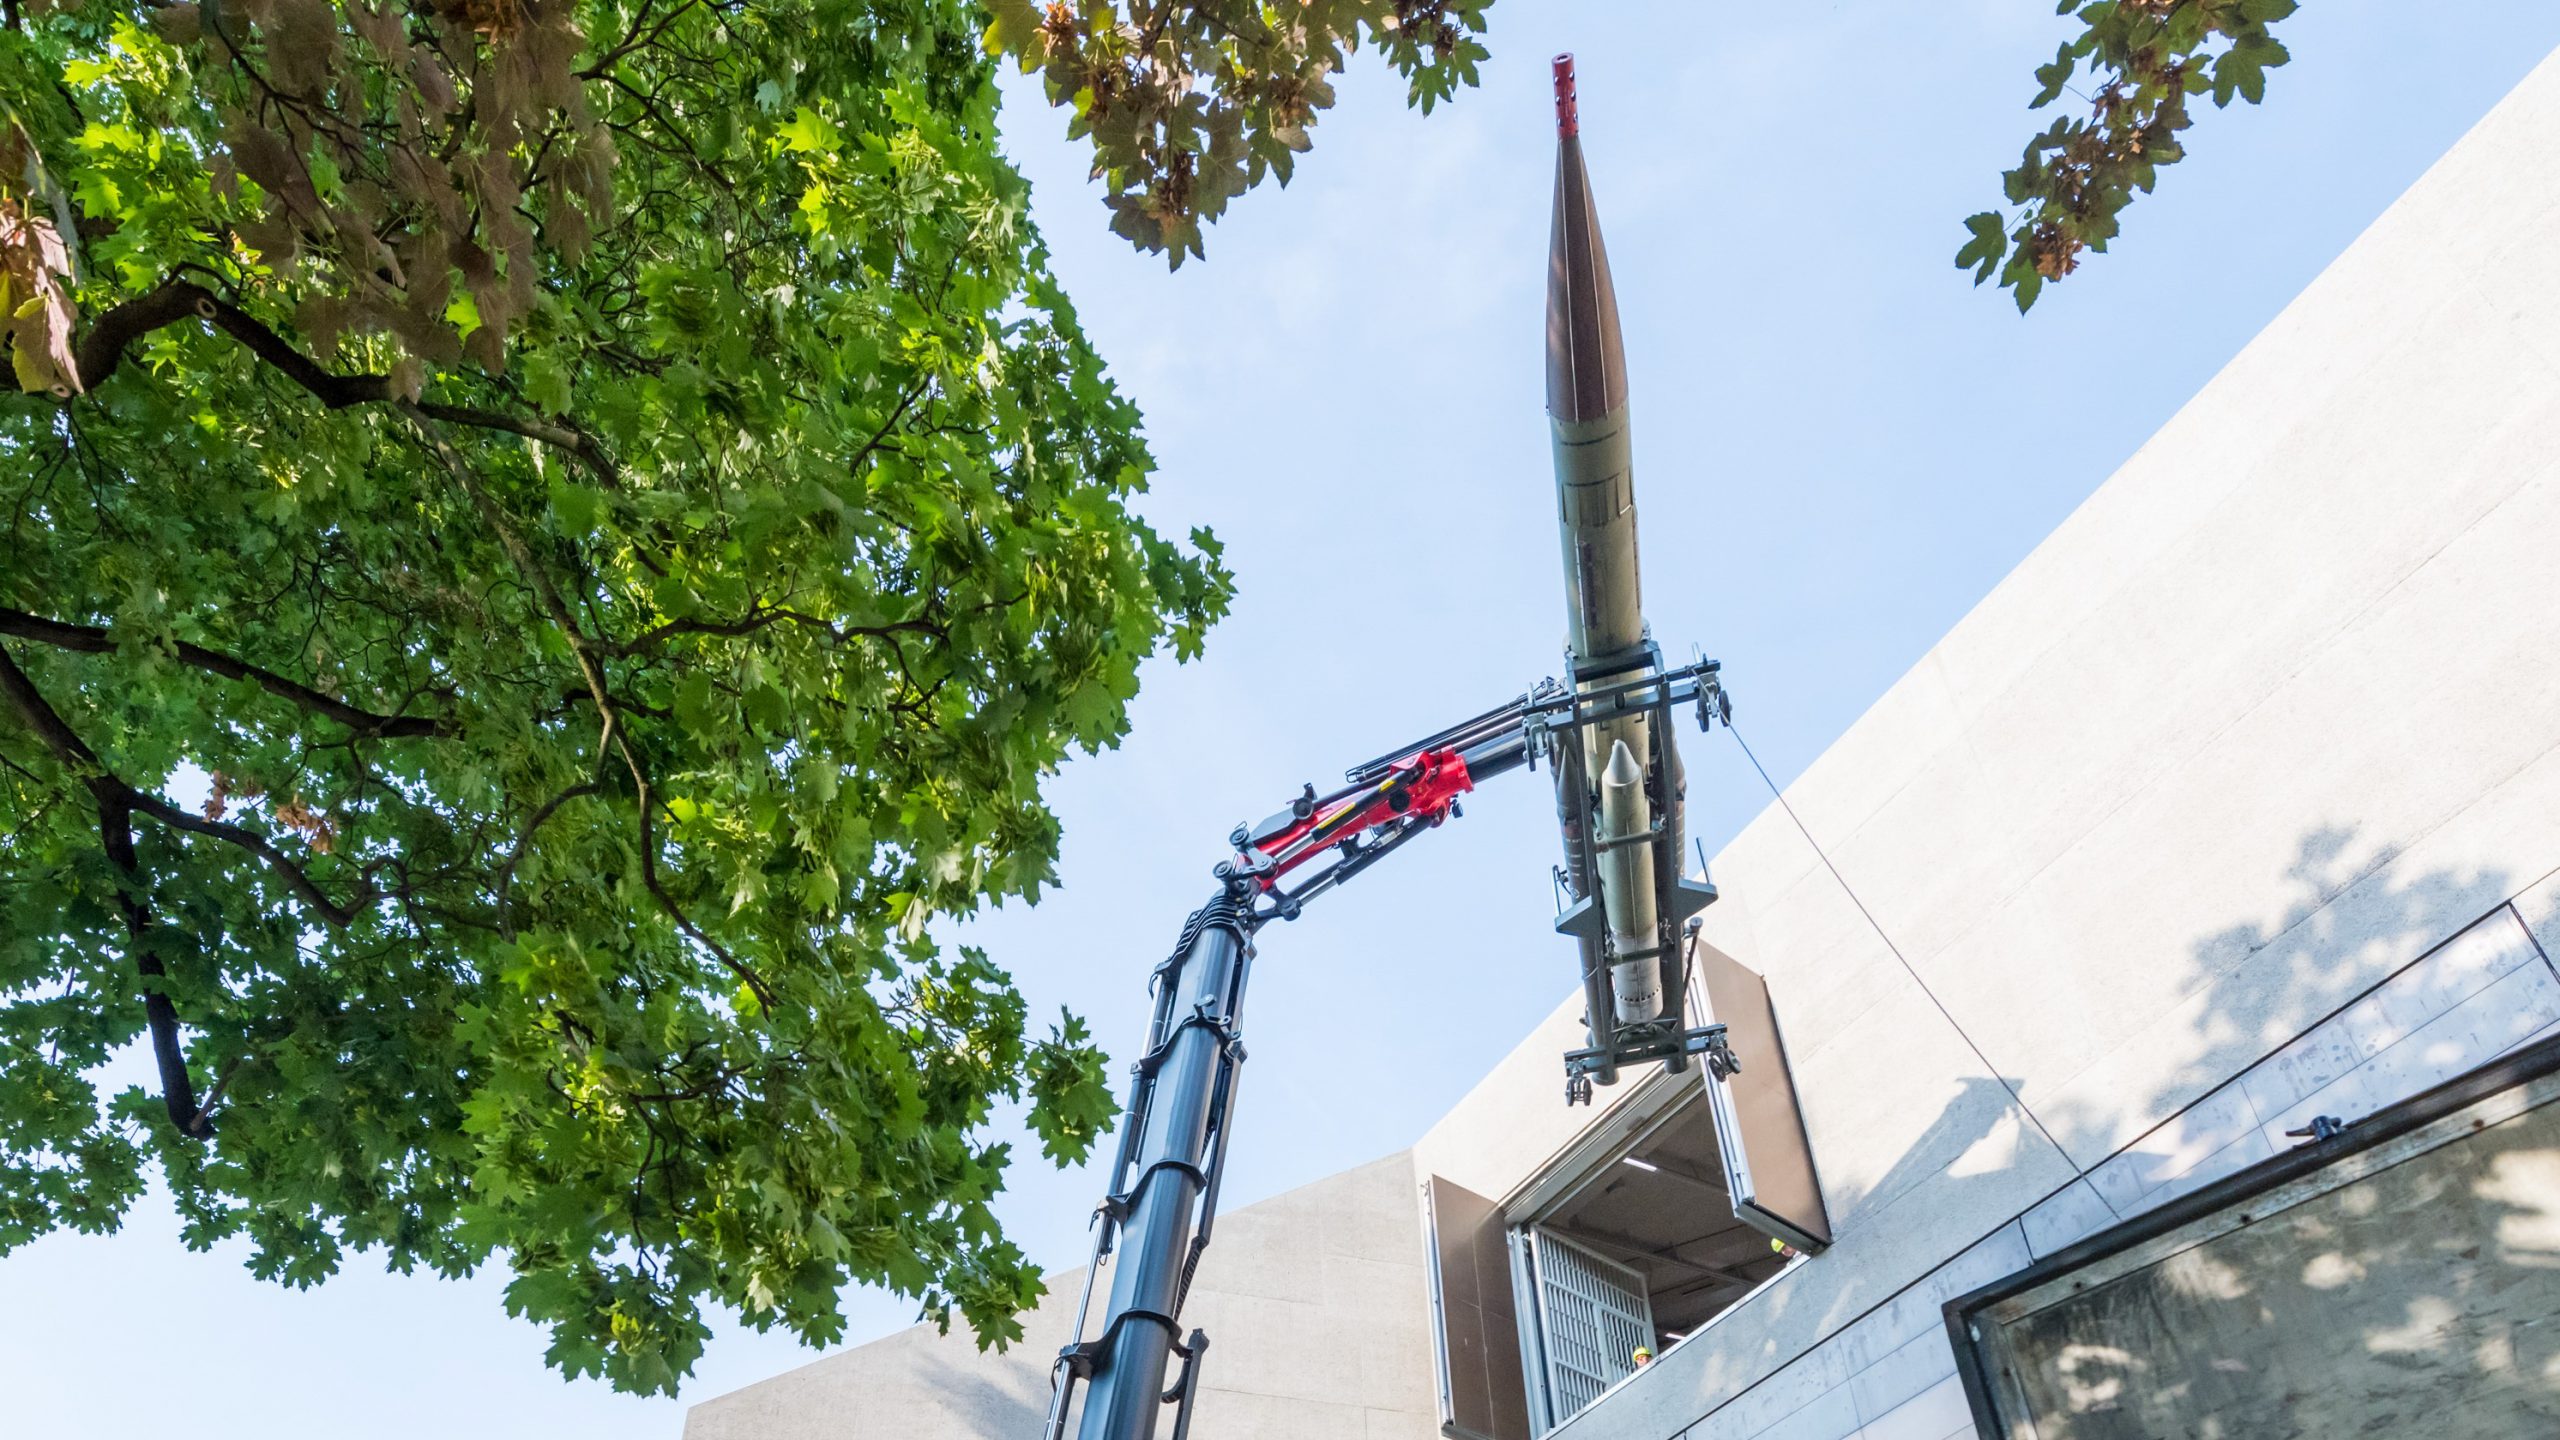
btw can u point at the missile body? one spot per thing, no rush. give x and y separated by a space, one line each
1587 406
1604 603
1626 885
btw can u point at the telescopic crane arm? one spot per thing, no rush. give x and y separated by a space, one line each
1180 1115
1606 730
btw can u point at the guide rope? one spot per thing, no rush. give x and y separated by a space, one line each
1907 967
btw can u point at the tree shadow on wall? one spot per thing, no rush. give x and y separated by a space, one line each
2413 1301
2353 926
2351 921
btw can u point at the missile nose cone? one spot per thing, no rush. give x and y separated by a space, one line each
1623 769
1586 361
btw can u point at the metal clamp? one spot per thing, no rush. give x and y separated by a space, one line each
1186 1388
1654 1040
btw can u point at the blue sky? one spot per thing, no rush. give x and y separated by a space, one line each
1840 447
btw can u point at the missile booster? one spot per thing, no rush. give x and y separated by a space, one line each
1618 783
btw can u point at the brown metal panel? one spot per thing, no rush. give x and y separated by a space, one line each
1484 1395
1768 1162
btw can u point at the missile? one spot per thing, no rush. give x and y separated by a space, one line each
1587 407
1605 632
1626 885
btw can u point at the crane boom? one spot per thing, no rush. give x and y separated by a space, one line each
1177 1124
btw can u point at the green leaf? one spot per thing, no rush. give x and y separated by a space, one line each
809 132
2052 78
1989 242
1013 28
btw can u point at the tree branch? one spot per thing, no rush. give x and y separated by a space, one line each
168 1051
576 442
115 836
103 349
592 667
41 720
765 616
881 435
524 842
213 1098
635 39
95 640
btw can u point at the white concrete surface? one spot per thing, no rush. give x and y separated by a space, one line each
1287 1286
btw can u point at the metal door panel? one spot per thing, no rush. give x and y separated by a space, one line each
1592 1314
1482 1394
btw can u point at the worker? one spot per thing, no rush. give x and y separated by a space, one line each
1644 1356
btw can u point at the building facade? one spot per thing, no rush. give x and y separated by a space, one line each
2235 809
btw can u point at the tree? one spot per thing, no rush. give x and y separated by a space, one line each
612 501
1189 103
1186 104
2140 61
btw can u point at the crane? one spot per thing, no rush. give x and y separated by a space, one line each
1605 731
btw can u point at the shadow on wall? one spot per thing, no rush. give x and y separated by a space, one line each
2292 994
2324 930
1973 1116
2349 922
2411 1301
984 1393
2350 925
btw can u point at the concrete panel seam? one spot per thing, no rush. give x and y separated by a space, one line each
1844 1326
2236 1078
2530 938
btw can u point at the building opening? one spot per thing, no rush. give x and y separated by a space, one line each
1632 1255
1657 1218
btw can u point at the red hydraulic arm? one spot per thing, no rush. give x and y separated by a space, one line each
1423 788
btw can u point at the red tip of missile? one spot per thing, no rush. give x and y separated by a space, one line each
1586 361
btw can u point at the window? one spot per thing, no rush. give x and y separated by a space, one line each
2394 1278
1590 1315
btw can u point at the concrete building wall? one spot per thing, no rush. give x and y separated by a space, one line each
1890 1374
1313 1302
